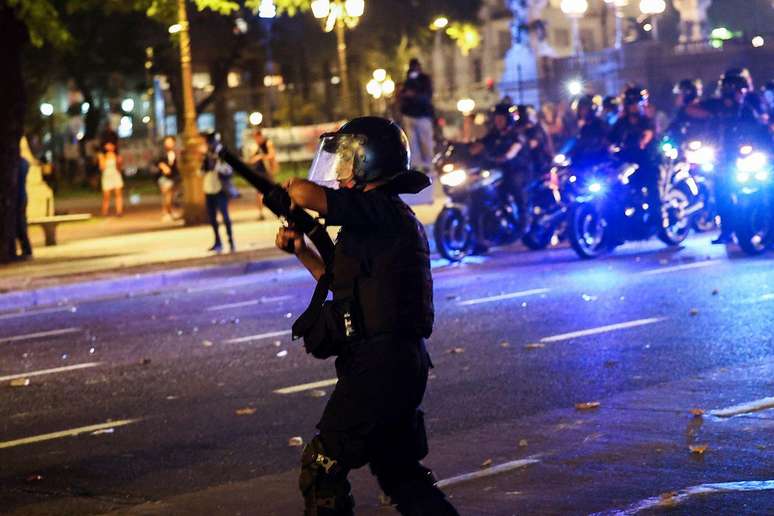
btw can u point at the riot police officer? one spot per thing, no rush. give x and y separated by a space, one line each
376 323
634 135
687 93
590 143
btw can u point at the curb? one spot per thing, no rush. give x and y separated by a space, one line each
134 284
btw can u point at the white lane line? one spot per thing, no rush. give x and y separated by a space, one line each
669 500
745 408
38 312
307 386
488 472
39 335
501 297
75 367
683 267
602 329
761 299
252 302
66 433
260 336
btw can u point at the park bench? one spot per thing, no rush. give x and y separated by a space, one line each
50 223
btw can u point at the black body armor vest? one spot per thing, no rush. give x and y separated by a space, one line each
387 271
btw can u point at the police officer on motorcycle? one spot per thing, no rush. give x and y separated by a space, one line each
687 93
735 119
590 143
380 314
634 135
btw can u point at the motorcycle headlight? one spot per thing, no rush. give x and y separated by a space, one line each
752 163
454 178
561 160
704 156
448 167
595 187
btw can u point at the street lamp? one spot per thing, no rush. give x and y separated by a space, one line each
380 87
340 15
575 87
575 9
46 109
618 6
653 8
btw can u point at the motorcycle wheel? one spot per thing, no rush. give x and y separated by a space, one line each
587 231
538 237
704 220
754 229
453 234
679 226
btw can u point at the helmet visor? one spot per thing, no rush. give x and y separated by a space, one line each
334 162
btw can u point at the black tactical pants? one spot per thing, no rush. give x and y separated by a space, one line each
373 418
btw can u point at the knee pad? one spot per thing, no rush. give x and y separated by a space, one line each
323 483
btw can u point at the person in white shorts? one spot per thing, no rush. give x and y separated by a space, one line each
168 177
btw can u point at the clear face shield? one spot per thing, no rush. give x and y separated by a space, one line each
334 163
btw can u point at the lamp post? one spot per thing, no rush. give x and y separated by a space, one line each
380 87
340 15
618 6
575 9
653 8
193 191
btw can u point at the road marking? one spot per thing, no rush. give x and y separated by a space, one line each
38 312
500 297
669 500
307 386
50 371
761 299
744 408
39 335
223 284
66 433
494 470
602 329
683 267
260 336
252 302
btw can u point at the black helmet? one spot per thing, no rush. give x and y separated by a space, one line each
365 150
732 85
610 103
635 95
744 73
526 113
586 101
505 109
690 89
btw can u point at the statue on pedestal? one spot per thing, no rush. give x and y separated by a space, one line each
528 34
693 19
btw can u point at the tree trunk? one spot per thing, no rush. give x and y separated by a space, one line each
13 36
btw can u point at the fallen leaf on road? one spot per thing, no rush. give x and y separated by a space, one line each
456 351
760 446
588 298
282 353
452 297
103 431
20 382
698 449
592 437
715 292
247 411
296 441
505 344
523 443
694 312
206 343
589 405
535 345
667 499
487 463
277 343
145 361
317 393
697 412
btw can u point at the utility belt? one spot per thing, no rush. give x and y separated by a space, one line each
329 327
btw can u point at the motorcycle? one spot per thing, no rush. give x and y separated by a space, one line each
753 202
480 212
613 208
700 159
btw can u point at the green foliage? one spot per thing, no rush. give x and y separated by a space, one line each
42 21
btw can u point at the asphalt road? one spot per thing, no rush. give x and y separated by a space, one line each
174 396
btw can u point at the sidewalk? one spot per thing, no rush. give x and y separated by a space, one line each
140 243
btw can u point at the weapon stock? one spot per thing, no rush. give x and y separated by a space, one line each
278 201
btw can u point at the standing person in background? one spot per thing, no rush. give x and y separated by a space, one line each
21 211
552 123
111 180
416 107
215 175
263 157
168 178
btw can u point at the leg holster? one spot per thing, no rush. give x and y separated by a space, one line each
323 483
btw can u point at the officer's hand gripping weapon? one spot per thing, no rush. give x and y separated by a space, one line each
277 200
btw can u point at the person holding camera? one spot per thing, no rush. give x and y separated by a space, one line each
376 323
216 176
